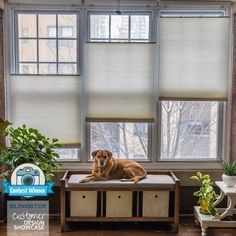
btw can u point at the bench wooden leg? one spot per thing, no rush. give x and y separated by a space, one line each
63 206
176 209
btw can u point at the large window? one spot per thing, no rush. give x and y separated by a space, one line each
153 85
46 43
128 27
125 140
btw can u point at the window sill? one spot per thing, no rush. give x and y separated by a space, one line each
46 74
180 165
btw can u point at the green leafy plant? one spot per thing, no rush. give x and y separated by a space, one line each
29 145
229 168
206 194
3 125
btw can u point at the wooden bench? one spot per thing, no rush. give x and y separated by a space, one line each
155 198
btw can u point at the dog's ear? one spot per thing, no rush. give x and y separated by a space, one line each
109 153
94 153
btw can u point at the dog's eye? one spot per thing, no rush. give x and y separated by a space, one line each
105 156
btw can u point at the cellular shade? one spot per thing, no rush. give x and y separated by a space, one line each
123 2
119 81
194 58
47 103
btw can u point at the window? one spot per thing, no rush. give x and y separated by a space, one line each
121 82
192 130
47 43
120 139
189 130
128 27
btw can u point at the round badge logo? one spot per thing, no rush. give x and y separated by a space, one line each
28 174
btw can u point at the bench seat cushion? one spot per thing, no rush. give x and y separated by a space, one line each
151 181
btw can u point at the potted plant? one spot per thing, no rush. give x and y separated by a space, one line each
28 145
229 175
206 194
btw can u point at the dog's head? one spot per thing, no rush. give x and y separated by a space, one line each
102 157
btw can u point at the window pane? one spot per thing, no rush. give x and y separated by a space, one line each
189 129
27 25
28 68
139 27
27 50
67 26
99 26
52 32
47 50
47 68
67 69
67 50
65 32
124 140
119 26
68 153
46 22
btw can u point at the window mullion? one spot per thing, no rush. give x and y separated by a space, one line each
16 34
129 25
109 27
220 112
37 32
57 42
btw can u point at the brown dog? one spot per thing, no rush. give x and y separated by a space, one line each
105 167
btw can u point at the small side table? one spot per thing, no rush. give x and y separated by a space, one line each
207 221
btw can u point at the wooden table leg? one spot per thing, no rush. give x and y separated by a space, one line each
63 205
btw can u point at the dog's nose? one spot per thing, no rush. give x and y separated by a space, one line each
101 163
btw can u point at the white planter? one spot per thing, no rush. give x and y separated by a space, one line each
229 181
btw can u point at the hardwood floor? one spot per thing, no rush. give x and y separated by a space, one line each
187 228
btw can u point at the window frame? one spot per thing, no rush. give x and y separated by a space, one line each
149 13
223 107
16 38
125 12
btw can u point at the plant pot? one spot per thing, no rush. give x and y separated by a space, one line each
204 207
229 181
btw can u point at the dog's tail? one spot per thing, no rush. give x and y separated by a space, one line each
138 178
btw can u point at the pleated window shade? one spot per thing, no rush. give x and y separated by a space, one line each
194 58
119 81
47 103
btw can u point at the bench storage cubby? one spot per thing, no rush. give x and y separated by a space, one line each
155 203
83 203
119 203
155 198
